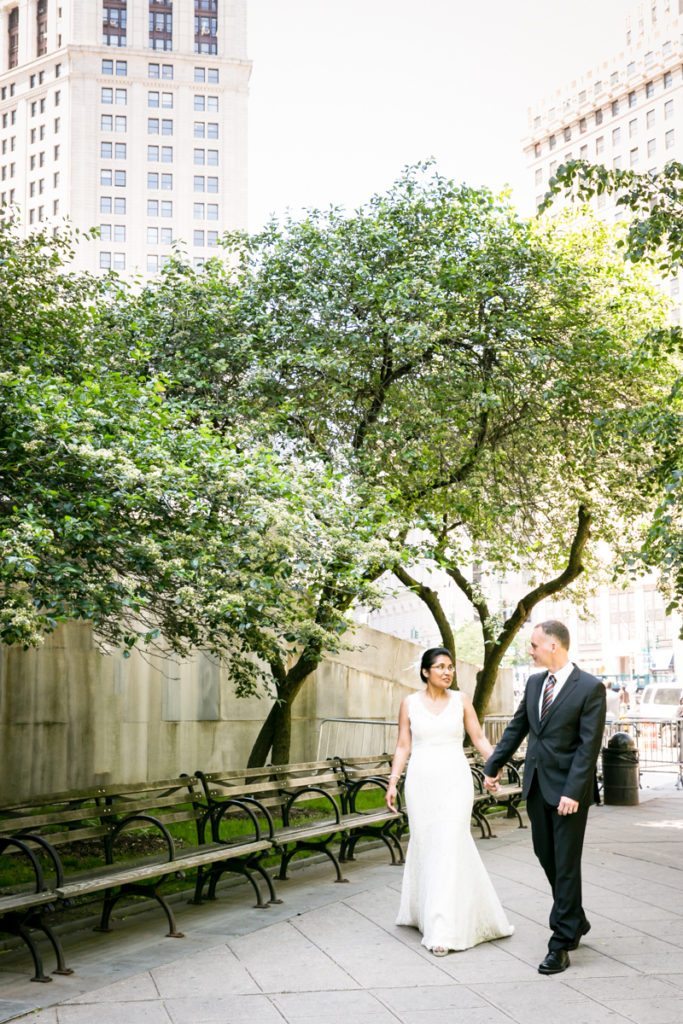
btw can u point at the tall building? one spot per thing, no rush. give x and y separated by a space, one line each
625 113
129 116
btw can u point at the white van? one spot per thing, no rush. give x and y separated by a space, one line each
660 702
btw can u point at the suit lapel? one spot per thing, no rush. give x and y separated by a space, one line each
533 701
567 688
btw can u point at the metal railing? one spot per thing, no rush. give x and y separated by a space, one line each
660 744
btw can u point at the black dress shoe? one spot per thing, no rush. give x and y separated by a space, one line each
584 931
556 961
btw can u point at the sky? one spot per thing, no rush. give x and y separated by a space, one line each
345 93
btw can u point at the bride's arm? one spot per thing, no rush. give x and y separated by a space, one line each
401 754
474 729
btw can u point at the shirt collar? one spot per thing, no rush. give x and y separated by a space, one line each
563 674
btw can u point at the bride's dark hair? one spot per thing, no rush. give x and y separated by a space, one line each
430 656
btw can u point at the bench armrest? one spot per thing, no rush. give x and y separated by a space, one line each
23 847
380 781
305 791
120 826
246 804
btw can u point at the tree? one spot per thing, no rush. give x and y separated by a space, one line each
451 361
122 507
654 236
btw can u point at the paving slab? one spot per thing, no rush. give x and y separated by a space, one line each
331 954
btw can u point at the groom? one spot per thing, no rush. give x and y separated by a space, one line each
563 714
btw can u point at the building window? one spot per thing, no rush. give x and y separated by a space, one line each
668 79
107 67
212 238
649 89
633 157
161 24
616 136
120 123
152 264
651 147
567 134
552 142
106 150
114 22
153 99
119 261
106 95
105 261
633 128
669 139
167 71
120 151
650 119
668 110
13 37
632 99
616 163
598 117
198 211
583 153
537 149
167 154
121 97
106 204
152 125
583 126
206 26
41 28
198 238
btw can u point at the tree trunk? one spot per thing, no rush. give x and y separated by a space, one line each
264 740
431 599
283 731
494 653
276 731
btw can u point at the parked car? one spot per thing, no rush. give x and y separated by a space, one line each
660 702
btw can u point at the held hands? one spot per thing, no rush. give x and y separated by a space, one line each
567 805
491 782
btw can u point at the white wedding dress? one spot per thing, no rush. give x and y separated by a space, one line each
447 892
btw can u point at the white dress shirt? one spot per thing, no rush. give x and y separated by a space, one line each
561 677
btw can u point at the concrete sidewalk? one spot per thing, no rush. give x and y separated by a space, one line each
331 954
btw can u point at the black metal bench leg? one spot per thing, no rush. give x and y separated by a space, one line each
28 939
198 899
268 880
238 868
57 947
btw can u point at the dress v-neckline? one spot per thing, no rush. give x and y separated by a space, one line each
434 714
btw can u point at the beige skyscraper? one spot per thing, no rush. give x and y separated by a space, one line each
127 115
625 113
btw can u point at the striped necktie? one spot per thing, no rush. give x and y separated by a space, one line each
548 694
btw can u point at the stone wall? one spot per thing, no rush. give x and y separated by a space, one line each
71 717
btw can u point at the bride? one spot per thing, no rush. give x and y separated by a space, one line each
447 893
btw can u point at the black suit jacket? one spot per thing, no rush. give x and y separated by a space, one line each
563 749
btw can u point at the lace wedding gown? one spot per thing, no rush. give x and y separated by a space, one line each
447 892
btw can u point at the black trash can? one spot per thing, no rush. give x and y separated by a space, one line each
620 774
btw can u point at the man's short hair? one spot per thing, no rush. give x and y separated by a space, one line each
551 627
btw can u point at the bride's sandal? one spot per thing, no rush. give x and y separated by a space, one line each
439 951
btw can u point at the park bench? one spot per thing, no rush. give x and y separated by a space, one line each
138 838
369 777
306 808
506 798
